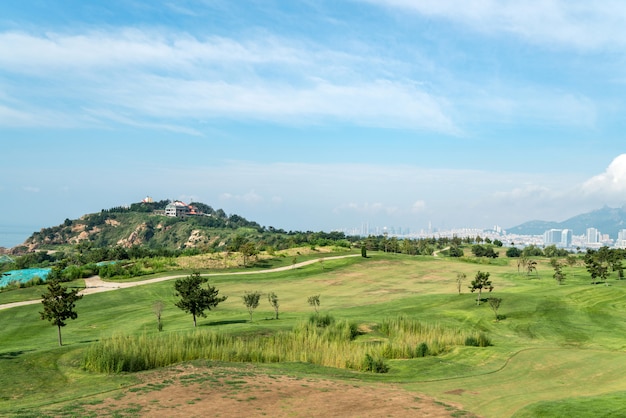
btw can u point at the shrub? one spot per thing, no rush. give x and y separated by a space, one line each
471 341
455 251
483 340
422 350
321 321
478 341
374 364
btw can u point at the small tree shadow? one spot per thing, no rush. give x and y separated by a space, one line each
10 355
234 321
262 264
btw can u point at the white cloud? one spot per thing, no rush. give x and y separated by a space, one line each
20 115
12 117
418 206
380 103
525 193
572 23
249 197
31 189
612 183
554 198
367 209
534 105
139 75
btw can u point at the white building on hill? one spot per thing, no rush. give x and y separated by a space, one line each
177 209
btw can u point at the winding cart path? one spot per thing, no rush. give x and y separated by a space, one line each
95 284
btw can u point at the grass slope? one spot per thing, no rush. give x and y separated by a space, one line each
557 348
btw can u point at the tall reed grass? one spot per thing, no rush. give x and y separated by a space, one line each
332 346
405 335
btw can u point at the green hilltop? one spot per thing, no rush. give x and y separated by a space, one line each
146 225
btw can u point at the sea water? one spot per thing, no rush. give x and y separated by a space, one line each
12 235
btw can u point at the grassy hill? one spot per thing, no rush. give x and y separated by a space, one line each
555 349
145 225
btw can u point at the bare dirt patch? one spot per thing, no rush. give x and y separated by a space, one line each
191 391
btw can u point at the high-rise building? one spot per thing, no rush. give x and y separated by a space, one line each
621 239
559 237
552 237
566 238
593 236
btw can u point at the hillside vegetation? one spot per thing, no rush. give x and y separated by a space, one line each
145 225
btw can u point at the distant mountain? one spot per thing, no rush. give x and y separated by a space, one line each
607 220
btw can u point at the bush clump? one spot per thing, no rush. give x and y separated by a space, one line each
374 364
321 321
422 350
481 341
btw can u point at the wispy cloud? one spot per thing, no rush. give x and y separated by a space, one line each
533 105
368 209
418 206
570 23
180 77
249 197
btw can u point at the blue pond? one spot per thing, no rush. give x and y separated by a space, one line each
22 275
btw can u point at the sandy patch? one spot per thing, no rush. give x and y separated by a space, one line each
191 391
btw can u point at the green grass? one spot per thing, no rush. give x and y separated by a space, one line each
603 406
29 293
556 349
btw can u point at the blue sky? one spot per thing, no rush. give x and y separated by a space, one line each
313 115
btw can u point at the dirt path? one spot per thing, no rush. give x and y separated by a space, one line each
95 284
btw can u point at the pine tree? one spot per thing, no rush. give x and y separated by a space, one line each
195 299
59 304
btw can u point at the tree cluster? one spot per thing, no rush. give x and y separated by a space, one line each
600 263
484 251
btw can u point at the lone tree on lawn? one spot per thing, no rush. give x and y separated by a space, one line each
314 301
58 305
251 300
480 282
558 275
495 305
273 300
459 281
194 299
158 307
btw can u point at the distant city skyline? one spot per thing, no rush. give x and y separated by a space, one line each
313 115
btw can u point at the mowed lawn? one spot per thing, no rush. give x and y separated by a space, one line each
556 347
